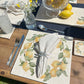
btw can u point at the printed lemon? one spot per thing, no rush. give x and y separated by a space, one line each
65 14
43 76
25 66
27 45
68 7
54 64
29 54
63 66
59 44
37 39
66 53
53 72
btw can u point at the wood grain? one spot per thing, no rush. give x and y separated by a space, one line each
6 46
77 66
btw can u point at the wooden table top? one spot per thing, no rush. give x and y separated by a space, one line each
77 66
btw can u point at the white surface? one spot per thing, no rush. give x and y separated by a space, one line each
15 19
7 36
17 70
78 12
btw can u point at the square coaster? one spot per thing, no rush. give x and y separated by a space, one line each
79 48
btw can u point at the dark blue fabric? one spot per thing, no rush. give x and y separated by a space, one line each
75 32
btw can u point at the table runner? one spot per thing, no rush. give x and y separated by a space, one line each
25 64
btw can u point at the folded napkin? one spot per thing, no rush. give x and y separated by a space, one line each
44 50
15 14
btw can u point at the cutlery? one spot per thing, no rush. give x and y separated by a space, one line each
21 41
42 27
16 45
41 61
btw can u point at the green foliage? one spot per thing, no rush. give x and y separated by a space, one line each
32 64
64 60
27 58
62 46
59 72
22 62
60 55
47 77
32 71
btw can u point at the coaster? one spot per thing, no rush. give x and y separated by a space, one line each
79 48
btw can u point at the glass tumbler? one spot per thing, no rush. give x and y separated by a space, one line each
5 24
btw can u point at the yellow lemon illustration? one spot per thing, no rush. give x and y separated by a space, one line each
59 44
81 22
65 14
27 45
68 7
29 54
18 5
53 72
66 53
63 66
43 76
25 66
54 64
37 39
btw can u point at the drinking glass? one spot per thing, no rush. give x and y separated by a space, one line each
5 23
54 6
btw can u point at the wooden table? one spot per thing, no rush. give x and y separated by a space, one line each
6 46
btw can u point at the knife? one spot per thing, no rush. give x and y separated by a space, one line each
21 41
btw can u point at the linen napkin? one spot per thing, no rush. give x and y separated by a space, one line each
15 14
45 48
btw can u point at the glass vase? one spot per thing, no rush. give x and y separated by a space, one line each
29 19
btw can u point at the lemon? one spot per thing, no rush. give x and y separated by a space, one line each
25 66
65 14
68 7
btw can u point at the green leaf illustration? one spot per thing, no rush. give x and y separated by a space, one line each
47 77
59 63
31 39
64 72
48 68
27 58
64 60
59 72
32 71
63 39
61 46
60 55
32 64
29 49
22 51
22 62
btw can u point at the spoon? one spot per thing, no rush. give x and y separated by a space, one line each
42 27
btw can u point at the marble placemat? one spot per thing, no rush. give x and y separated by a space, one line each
59 63
73 20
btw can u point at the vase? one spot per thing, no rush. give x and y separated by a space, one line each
29 19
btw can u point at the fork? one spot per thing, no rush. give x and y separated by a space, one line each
15 45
